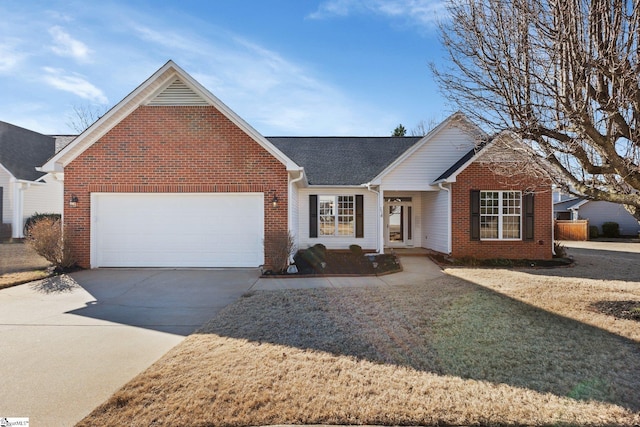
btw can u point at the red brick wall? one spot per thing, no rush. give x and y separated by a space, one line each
478 176
172 150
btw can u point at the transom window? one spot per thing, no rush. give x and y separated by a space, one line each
500 215
336 215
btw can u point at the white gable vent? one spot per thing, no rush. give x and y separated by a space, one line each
178 93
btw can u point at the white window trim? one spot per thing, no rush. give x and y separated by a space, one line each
336 215
501 215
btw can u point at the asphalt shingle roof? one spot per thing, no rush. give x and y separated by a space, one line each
343 160
22 150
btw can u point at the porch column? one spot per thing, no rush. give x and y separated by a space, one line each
18 209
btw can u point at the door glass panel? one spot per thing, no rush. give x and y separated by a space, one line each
409 219
396 223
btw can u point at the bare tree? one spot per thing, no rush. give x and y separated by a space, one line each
85 115
424 127
563 75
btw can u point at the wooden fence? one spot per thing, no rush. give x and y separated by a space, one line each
571 230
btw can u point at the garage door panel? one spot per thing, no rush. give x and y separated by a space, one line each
177 230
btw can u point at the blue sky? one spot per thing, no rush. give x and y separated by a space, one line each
288 67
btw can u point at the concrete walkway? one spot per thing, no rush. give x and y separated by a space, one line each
416 269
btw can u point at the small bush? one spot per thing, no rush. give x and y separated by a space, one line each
312 259
594 233
610 229
356 250
47 238
559 250
37 217
320 249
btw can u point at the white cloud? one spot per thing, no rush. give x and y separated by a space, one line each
270 91
9 57
65 45
420 12
75 84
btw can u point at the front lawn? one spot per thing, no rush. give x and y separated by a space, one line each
488 347
18 278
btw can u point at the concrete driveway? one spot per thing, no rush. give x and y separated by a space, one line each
68 343
628 246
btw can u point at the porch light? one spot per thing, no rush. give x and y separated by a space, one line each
73 202
274 201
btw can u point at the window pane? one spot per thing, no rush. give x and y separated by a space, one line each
346 215
326 215
489 203
511 227
511 203
488 227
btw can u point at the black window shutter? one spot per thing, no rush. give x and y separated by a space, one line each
475 214
313 215
359 215
1 204
527 202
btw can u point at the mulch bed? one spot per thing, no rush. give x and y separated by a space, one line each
629 310
446 261
339 263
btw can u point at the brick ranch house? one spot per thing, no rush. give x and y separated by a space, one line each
171 177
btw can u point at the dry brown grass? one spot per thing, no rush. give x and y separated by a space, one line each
446 352
12 279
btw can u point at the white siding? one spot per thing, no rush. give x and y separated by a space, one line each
43 198
429 161
370 202
435 214
7 196
599 212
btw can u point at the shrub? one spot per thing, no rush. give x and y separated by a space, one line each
47 238
559 250
279 246
320 250
610 229
37 217
301 261
594 233
356 250
312 259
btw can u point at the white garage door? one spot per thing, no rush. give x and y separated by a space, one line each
177 230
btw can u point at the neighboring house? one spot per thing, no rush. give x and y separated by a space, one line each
597 212
172 177
24 190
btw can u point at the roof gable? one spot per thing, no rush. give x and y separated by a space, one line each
170 85
455 120
22 150
343 160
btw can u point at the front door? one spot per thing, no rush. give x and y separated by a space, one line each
399 222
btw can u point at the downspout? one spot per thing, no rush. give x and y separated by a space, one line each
553 228
379 246
290 209
449 219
